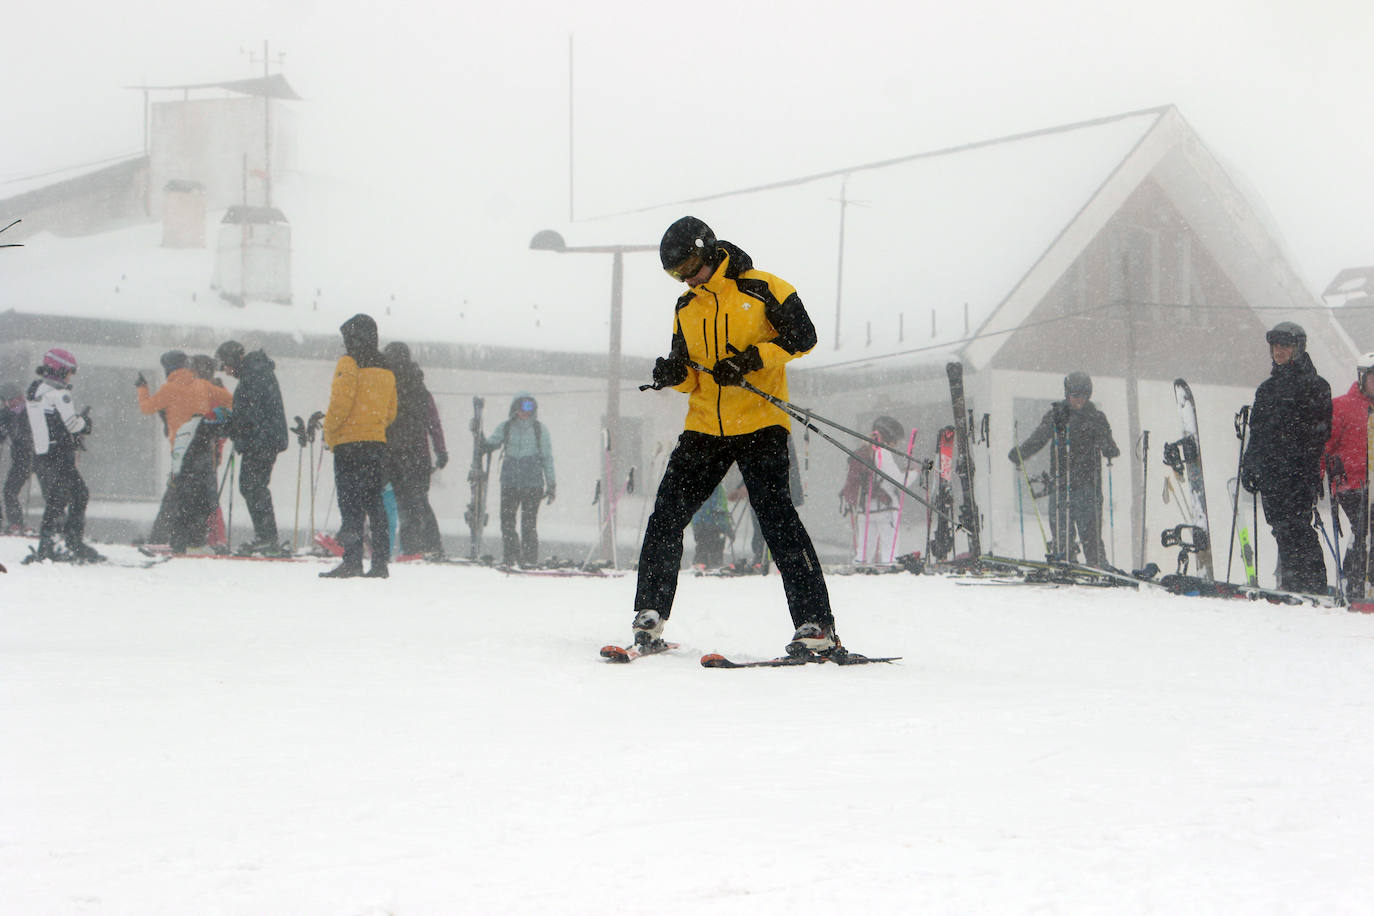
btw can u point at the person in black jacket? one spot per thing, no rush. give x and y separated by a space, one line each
257 426
407 444
1081 438
1290 422
14 425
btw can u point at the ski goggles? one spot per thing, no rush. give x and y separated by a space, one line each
687 268
526 405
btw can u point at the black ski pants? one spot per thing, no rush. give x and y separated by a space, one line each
521 547
1356 570
417 527
21 465
1079 513
64 492
1289 514
193 494
697 465
255 475
359 476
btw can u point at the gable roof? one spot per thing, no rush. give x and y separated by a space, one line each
939 247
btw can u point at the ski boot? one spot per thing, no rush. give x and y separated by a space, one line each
81 552
815 639
648 629
345 570
46 550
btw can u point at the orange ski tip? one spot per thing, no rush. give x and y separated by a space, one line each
712 657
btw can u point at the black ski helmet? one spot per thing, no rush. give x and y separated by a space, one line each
1288 334
686 245
1078 383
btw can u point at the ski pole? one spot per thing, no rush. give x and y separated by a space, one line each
299 430
1111 509
1144 490
901 497
868 512
1242 422
229 516
805 417
1021 463
1020 506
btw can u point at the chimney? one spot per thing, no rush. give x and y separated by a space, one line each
253 257
183 214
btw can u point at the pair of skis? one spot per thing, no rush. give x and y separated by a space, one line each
626 654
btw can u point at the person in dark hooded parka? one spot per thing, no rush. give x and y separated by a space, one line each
408 455
257 428
362 404
1290 422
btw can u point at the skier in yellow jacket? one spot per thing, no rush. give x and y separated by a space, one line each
736 322
362 404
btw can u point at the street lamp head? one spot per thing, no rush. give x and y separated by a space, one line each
548 240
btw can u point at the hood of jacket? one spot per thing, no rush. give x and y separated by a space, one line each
360 341
256 363
515 404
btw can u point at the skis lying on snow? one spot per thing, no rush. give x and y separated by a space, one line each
716 660
622 654
164 552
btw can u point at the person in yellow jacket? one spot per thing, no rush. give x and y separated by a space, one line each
362 404
735 322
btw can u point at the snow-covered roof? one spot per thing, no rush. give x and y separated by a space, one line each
933 244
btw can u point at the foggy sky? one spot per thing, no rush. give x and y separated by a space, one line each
673 102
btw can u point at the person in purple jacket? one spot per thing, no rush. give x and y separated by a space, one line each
408 454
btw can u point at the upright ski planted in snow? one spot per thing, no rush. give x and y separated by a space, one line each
968 512
476 514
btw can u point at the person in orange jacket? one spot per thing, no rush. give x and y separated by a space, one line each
182 396
362 404
191 494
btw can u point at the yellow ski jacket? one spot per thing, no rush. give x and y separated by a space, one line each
737 308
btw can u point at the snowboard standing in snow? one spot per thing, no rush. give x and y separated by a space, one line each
1184 458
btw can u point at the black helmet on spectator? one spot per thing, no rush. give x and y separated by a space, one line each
1287 334
1079 383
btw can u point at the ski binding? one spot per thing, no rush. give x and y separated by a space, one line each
624 654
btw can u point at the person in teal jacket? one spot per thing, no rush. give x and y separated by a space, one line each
526 478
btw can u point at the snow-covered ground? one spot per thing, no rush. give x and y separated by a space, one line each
220 737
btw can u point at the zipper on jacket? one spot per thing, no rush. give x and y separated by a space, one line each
720 416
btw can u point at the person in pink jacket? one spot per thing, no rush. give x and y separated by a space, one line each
1347 462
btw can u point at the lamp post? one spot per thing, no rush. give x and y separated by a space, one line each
550 240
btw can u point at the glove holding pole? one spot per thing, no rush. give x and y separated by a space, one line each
805 417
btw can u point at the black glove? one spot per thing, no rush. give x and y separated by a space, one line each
1335 469
140 382
440 459
90 424
733 369
549 493
669 371
1249 480
474 426
1014 457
